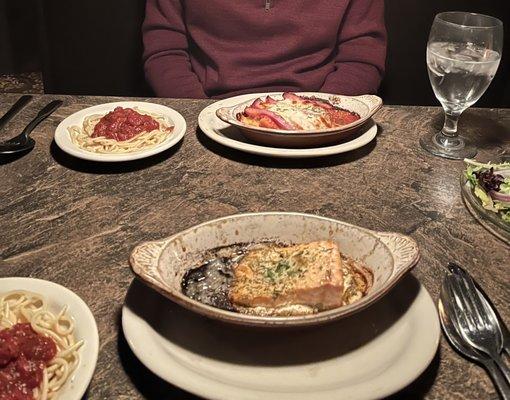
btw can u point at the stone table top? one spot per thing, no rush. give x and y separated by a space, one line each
74 222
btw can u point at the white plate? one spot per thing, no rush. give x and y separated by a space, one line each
63 139
230 136
370 355
85 328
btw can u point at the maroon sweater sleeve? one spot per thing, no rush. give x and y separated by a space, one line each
167 64
361 56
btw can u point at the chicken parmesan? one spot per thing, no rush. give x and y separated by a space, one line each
295 112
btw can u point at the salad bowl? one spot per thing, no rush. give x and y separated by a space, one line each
485 188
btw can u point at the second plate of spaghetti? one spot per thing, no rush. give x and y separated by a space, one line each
50 333
120 131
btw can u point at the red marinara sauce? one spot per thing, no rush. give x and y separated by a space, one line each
23 356
123 124
343 117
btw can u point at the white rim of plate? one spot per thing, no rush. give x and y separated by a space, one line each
63 140
82 375
421 349
209 114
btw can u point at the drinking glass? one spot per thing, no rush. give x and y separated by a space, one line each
463 54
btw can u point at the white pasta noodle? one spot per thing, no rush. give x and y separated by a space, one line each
26 307
82 136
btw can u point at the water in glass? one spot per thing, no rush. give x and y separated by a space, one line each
463 54
460 73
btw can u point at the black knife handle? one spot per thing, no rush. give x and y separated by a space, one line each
16 107
44 113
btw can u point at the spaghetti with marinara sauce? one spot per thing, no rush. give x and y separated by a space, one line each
123 130
25 315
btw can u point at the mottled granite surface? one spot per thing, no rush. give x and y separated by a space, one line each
30 82
74 222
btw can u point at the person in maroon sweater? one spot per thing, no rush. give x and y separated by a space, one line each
220 48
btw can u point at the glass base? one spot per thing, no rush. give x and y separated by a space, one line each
455 148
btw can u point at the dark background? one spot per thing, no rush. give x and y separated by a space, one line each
94 46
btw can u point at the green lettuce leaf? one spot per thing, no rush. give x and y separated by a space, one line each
505 186
477 166
487 202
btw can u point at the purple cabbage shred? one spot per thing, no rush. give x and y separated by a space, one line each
488 180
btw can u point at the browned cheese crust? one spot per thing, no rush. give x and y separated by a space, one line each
311 274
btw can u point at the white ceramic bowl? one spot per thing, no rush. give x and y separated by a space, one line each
365 106
85 328
229 136
162 264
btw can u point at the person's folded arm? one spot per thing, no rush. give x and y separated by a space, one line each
361 51
166 59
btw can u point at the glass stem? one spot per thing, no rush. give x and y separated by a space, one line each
450 124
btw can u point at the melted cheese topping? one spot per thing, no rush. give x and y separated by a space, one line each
307 116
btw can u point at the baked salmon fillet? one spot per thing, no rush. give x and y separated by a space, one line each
311 274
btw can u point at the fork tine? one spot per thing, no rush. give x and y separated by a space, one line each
467 292
458 318
468 296
466 313
480 308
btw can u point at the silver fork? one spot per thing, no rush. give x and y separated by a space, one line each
454 337
491 310
477 325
